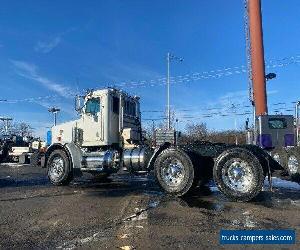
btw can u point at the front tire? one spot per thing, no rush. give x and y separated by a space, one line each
59 168
238 174
174 171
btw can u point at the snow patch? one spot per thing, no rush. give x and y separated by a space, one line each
279 183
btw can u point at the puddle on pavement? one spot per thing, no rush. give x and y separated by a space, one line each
206 204
284 184
153 192
10 182
153 204
278 203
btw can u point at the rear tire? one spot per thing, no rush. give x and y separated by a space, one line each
59 168
238 174
174 171
22 159
280 156
293 164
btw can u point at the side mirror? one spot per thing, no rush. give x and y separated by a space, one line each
247 125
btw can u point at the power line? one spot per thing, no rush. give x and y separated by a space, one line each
186 78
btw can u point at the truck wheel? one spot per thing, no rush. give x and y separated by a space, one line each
238 174
59 168
174 171
22 159
293 165
280 155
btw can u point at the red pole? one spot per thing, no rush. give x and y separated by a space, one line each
257 57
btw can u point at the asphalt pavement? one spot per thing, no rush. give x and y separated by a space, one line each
131 212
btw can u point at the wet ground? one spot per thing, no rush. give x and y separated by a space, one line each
131 213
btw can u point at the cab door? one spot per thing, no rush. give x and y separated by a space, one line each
92 120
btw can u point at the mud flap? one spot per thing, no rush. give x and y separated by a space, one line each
270 175
43 161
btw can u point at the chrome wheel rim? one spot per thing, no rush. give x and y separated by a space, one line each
276 157
238 176
173 173
56 169
293 164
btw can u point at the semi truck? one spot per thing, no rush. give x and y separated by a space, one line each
276 134
108 138
14 148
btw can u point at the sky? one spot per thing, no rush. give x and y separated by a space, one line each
52 50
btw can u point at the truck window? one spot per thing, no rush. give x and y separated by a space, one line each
277 123
130 108
116 105
92 106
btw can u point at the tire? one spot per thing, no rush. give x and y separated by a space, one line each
238 174
293 164
59 168
280 156
34 159
174 171
22 159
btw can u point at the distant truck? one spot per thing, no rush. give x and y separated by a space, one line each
15 149
107 138
279 136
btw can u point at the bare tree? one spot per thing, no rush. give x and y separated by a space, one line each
199 132
21 129
195 132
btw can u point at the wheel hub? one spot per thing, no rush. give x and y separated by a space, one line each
238 176
276 157
56 170
293 164
173 173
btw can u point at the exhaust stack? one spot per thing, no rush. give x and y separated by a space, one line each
257 57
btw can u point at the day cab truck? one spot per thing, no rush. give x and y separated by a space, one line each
108 138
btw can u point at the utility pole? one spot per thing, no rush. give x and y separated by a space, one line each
54 111
169 58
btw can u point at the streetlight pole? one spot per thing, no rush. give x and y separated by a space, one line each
54 111
169 58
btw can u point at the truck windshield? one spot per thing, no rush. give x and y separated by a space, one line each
277 123
92 106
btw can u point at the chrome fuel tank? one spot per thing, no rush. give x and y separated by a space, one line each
100 161
136 159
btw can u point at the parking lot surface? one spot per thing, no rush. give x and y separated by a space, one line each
127 212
